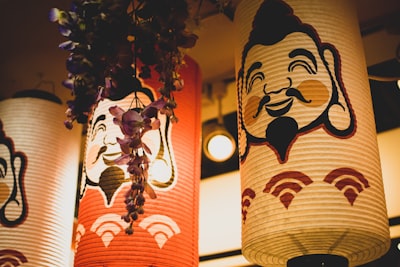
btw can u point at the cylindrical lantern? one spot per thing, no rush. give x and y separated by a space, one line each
38 179
310 171
167 233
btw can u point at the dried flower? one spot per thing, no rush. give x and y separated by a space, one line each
134 125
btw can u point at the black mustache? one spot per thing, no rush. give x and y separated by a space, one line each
264 100
289 92
296 93
101 151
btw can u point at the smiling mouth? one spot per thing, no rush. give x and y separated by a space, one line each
110 157
280 108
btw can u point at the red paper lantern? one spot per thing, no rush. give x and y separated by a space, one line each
167 233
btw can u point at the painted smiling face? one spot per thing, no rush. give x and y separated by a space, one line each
102 149
289 83
13 164
292 80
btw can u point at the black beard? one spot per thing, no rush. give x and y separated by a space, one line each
110 180
280 133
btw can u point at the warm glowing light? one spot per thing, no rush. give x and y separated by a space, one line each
220 147
218 144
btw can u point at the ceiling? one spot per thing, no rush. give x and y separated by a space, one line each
30 57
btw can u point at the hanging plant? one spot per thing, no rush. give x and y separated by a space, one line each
105 37
106 40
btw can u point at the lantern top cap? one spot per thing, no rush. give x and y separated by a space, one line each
37 93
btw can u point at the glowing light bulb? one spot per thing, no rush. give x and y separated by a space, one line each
220 147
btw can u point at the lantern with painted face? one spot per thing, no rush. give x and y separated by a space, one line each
39 162
310 169
169 223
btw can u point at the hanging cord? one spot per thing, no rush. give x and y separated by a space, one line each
220 118
219 91
44 82
135 100
225 7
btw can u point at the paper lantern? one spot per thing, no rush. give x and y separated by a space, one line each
38 179
167 233
310 172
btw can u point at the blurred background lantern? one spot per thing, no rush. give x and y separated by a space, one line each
167 233
38 179
311 181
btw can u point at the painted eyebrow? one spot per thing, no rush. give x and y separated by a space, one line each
303 52
254 66
99 118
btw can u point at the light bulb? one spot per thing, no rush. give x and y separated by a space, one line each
220 147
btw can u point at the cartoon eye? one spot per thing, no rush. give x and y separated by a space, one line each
257 76
303 64
3 168
99 128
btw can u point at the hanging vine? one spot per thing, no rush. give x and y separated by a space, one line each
106 40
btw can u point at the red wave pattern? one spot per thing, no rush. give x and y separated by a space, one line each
277 184
352 182
11 258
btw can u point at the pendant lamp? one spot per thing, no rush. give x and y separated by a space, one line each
167 233
218 144
312 192
38 179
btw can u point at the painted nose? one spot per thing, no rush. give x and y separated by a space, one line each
110 139
277 85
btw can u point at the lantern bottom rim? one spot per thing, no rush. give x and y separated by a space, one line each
318 260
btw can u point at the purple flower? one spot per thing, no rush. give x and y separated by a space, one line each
129 230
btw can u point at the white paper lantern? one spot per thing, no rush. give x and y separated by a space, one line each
38 179
310 169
